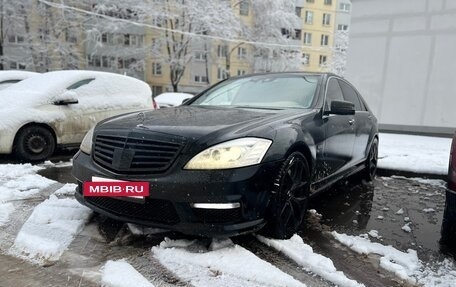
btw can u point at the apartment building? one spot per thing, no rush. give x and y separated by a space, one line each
318 26
140 51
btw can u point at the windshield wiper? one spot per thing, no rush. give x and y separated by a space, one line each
259 108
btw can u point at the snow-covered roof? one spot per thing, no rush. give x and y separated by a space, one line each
44 88
9 75
172 99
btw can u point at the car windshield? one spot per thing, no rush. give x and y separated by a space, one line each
276 92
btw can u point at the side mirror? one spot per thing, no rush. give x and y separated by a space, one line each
342 108
65 102
67 98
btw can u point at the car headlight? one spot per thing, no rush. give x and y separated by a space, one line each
231 154
86 145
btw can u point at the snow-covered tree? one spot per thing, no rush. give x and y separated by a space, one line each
339 60
184 22
276 22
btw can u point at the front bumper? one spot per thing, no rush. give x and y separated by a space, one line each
172 195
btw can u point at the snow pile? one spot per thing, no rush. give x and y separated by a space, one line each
231 265
407 227
5 210
20 181
303 254
400 263
374 233
405 265
67 189
122 274
49 230
414 153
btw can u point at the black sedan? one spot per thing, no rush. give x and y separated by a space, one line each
244 155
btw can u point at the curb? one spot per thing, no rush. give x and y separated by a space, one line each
391 172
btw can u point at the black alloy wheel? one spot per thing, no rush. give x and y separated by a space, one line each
289 198
34 143
371 162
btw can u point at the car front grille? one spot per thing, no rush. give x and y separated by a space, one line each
154 210
135 154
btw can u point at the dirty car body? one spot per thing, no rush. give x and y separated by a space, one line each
194 156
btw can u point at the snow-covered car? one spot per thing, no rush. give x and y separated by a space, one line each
168 100
58 108
10 77
449 215
246 154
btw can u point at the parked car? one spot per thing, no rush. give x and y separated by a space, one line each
449 215
58 108
10 77
168 100
244 155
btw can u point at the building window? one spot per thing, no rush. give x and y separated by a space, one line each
298 34
157 90
324 40
156 69
326 19
307 38
306 59
200 56
310 1
240 72
328 2
309 17
13 65
20 39
104 62
221 74
342 27
104 38
244 8
127 39
344 7
298 11
200 79
242 53
323 60
222 51
21 66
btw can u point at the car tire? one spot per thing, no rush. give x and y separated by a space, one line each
371 162
290 195
34 143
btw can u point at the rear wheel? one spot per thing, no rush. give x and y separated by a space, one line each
289 199
371 162
34 143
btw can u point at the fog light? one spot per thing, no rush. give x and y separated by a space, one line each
216 205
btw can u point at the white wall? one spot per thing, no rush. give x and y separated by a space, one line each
402 58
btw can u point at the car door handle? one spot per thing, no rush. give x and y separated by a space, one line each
351 122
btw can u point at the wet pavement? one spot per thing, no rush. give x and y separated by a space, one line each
351 207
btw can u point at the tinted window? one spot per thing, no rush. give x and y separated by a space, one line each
334 93
79 84
263 91
350 95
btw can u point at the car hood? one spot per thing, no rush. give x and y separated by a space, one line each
194 122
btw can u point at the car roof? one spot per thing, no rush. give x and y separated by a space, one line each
43 87
9 75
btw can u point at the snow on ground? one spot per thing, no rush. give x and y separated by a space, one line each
67 189
405 265
5 210
122 274
49 230
419 154
20 181
227 264
303 254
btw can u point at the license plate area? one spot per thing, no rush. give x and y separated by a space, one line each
119 189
